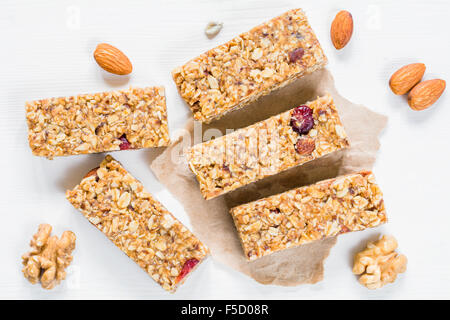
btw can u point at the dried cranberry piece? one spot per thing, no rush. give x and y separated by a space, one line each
302 119
125 145
187 267
296 55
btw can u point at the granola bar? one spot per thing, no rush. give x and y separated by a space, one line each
328 208
253 64
268 147
107 121
119 206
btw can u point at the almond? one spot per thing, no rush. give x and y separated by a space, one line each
112 59
341 29
406 77
425 94
305 146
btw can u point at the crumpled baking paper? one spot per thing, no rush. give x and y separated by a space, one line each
211 220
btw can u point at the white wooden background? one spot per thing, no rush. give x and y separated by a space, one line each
47 51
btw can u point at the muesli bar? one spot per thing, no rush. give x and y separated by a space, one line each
89 123
268 147
118 205
252 64
328 208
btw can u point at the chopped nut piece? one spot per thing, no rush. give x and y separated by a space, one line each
213 82
379 264
308 213
267 147
257 53
119 206
252 64
49 257
107 121
305 146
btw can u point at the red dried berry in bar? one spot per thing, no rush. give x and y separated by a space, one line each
187 267
296 55
302 119
125 145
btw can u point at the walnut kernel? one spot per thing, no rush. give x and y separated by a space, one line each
379 264
49 256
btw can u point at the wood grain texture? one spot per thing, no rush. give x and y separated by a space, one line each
48 52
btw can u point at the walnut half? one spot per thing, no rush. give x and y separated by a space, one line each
49 256
379 264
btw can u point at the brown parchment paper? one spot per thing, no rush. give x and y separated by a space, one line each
211 220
